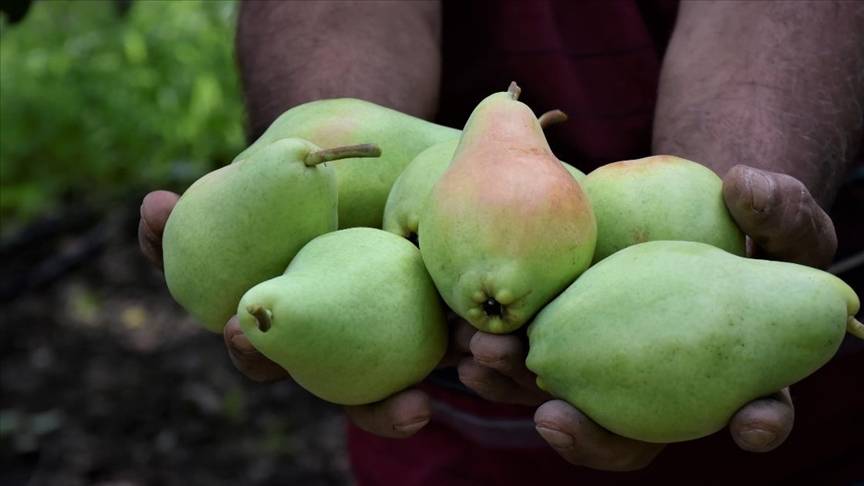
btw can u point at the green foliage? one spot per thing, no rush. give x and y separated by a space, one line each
94 105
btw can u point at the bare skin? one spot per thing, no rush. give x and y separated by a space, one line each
773 85
797 146
293 52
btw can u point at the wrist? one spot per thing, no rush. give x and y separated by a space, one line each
292 53
724 134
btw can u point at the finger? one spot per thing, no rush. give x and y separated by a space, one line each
762 425
154 214
399 416
495 387
463 332
246 358
780 215
582 442
504 354
460 337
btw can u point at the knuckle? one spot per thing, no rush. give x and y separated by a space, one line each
482 381
495 350
473 375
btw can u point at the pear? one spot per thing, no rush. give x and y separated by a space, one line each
412 187
664 341
506 227
659 198
363 185
241 224
354 319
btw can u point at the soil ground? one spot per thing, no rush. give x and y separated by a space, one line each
106 381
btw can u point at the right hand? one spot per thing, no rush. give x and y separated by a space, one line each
400 415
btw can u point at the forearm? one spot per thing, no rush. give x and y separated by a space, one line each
293 52
773 85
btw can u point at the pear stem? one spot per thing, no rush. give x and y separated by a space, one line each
261 315
514 90
346 152
552 117
855 328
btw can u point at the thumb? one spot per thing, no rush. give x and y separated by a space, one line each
154 214
780 216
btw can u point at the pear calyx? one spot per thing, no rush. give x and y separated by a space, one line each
551 117
854 327
493 308
514 90
262 315
345 152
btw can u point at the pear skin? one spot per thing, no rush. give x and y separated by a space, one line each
363 184
354 319
659 198
412 187
506 227
241 224
664 341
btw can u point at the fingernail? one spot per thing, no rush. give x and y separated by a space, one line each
758 438
409 429
760 190
556 438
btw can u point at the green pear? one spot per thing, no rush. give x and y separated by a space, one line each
659 198
409 192
354 319
664 341
363 185
506 227
241 224
412 187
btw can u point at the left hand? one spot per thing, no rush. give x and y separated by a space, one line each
400 415
783 221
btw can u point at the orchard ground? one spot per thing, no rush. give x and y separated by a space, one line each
106 381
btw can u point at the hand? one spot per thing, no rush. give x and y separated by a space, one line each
759 426
155 209
497 372
783 221
493 365
781 217
400 415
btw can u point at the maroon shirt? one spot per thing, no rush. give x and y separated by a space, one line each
599 61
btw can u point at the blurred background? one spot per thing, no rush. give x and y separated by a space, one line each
104 380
